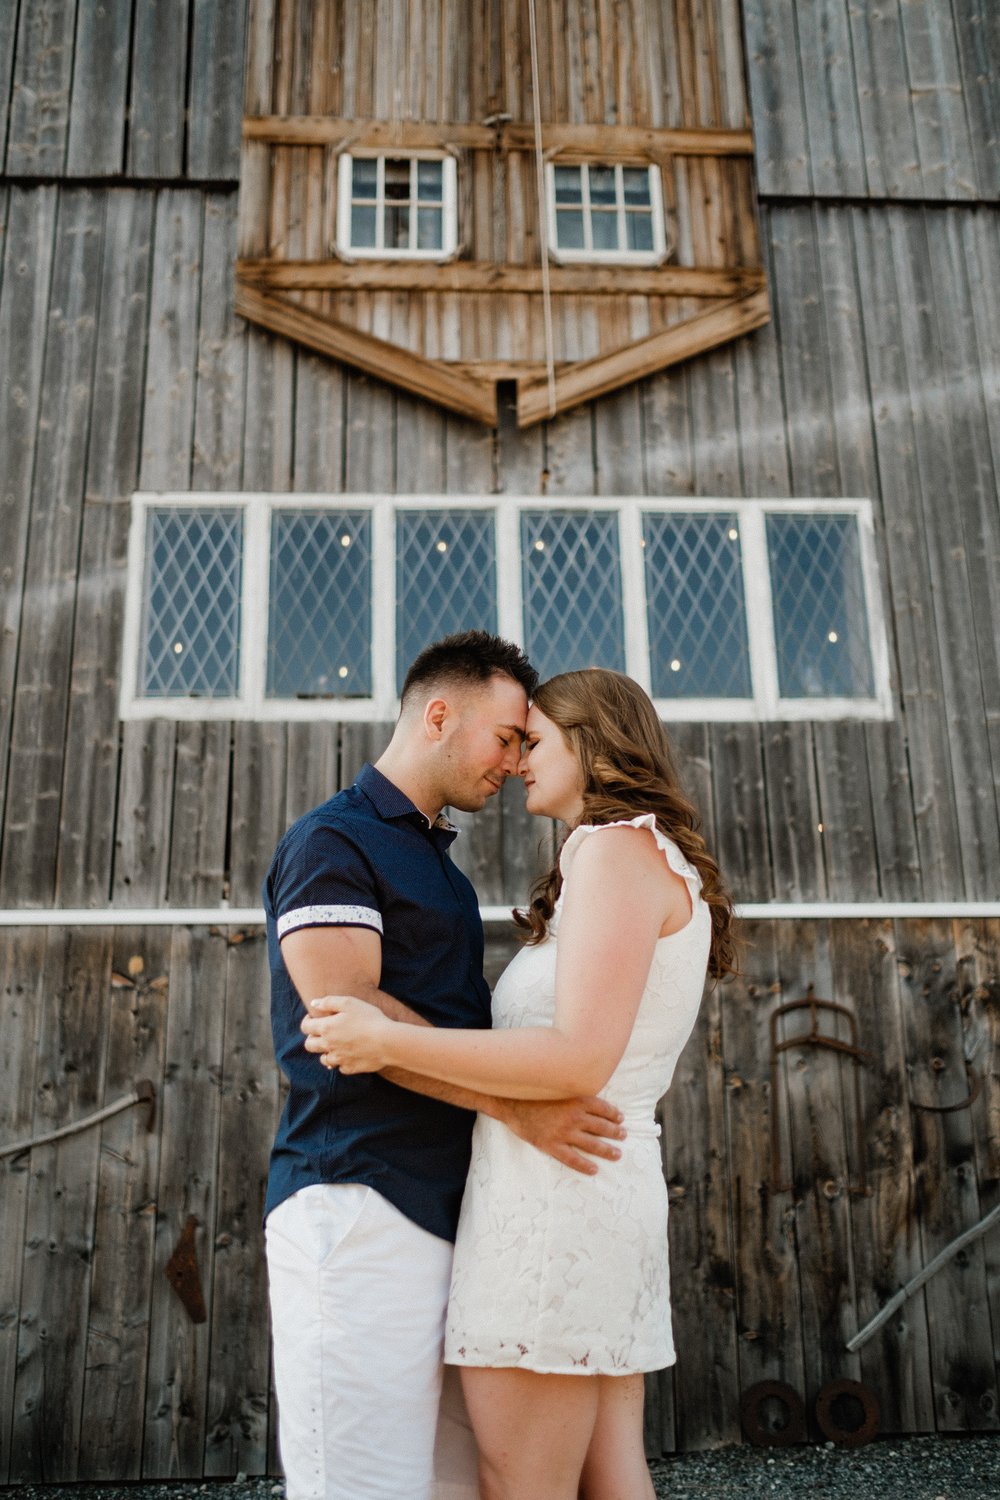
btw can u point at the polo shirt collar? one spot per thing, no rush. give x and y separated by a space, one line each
390 802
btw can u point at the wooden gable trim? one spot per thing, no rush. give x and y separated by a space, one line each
409 135
488 276
465 393
591 378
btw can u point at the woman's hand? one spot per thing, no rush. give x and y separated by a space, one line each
348 1033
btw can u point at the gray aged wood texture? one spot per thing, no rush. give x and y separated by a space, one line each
895 100
142 378
104 1375
125 369
124 88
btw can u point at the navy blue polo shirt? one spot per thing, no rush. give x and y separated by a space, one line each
369 858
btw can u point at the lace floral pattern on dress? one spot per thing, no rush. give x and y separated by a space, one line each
556 1271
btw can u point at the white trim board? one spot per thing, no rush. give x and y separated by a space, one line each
253 916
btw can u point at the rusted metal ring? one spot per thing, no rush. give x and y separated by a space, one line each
751 1404
851 1390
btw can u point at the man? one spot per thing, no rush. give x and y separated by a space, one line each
367 1170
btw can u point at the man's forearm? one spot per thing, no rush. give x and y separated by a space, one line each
417 1083
448 1093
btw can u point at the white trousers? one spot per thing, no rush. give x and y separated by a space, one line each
358 1296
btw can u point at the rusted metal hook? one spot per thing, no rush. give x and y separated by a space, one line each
815 1038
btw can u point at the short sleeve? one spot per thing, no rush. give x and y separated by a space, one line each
321 878
675 859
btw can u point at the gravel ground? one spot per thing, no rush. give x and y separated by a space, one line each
925 1468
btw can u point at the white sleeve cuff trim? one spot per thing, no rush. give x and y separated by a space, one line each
329 916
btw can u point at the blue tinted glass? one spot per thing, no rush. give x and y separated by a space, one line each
695 607
191 605
430 181
820 619
569 229
639 231
429 229
364 177
602 186
571 580
604 231
567 182
635 183
319 616
363 226
445 578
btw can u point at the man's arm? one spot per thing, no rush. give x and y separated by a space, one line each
348 961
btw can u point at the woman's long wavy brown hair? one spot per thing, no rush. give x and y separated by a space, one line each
612 728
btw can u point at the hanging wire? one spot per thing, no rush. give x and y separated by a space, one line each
543 221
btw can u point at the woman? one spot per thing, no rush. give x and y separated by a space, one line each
557 1276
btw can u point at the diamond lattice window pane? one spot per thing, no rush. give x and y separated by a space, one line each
695 606
820 618
571 579
319 618
191 604
445 578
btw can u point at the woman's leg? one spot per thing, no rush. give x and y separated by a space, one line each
615 1467
533 1431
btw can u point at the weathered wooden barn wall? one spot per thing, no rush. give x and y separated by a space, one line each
128 370
621 70
123 368
103 1375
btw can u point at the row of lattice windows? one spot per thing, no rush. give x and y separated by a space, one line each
722 609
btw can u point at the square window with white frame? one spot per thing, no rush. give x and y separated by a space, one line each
397 206
312 606
605 212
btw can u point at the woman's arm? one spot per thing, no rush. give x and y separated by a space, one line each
619 896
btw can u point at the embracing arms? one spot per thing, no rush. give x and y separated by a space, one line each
620 900
348 960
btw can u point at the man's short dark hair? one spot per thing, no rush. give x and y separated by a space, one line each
471 658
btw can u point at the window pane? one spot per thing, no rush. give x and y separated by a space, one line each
820 620
429 229
604 231
695 607
397 228
602 186
567 185
635 182
430 179
364 177
445 578
639 231
319 618
569 229
397 179
571 579
363 226
191 605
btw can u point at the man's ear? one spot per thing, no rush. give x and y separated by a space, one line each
436 714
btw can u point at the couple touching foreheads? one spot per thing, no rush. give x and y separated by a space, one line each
469 1180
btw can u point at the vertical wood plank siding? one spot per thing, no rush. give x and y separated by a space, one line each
125 368
842 395
768 1283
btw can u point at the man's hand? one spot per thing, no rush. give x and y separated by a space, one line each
573 1131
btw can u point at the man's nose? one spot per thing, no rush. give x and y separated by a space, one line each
511 761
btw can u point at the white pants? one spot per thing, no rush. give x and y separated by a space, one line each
358 1296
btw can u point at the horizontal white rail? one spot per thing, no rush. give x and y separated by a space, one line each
243 916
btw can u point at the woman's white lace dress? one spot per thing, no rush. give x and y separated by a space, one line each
556 1271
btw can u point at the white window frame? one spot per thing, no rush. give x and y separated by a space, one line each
620 257
751 519
449 212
